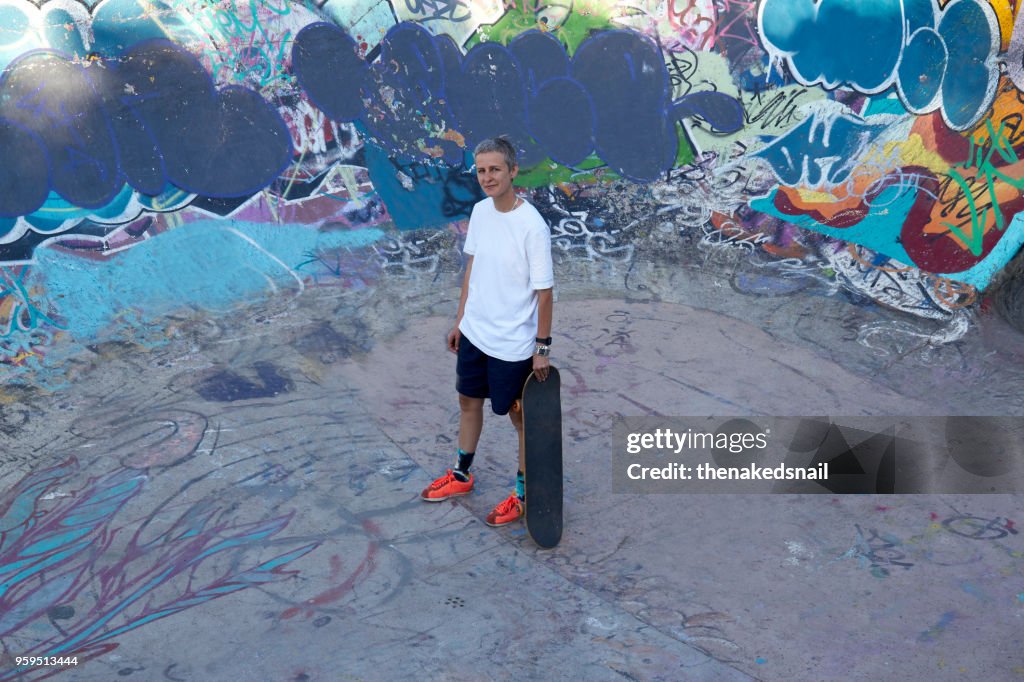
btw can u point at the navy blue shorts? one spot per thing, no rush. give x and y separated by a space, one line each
478 375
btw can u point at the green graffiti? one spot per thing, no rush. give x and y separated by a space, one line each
979 159
571 31
549 172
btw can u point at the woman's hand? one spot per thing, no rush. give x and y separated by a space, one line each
541 367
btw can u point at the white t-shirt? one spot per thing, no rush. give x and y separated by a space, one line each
511 260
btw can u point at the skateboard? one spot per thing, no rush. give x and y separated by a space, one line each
542 436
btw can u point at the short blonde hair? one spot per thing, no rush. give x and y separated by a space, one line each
500 144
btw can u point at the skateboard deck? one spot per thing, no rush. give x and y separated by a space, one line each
542 436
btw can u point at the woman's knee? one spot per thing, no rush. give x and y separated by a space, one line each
467 404
515 413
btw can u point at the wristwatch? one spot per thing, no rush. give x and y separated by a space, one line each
542 350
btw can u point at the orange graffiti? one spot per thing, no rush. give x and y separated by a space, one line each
837 206
953 294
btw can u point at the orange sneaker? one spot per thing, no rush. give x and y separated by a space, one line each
445 487
507 511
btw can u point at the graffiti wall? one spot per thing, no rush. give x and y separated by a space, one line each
156 154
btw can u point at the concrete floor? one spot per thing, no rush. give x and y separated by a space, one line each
239 502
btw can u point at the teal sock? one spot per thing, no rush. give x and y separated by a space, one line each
520 485
461 470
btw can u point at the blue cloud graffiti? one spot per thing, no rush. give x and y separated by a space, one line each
612 97
936 58
151 119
